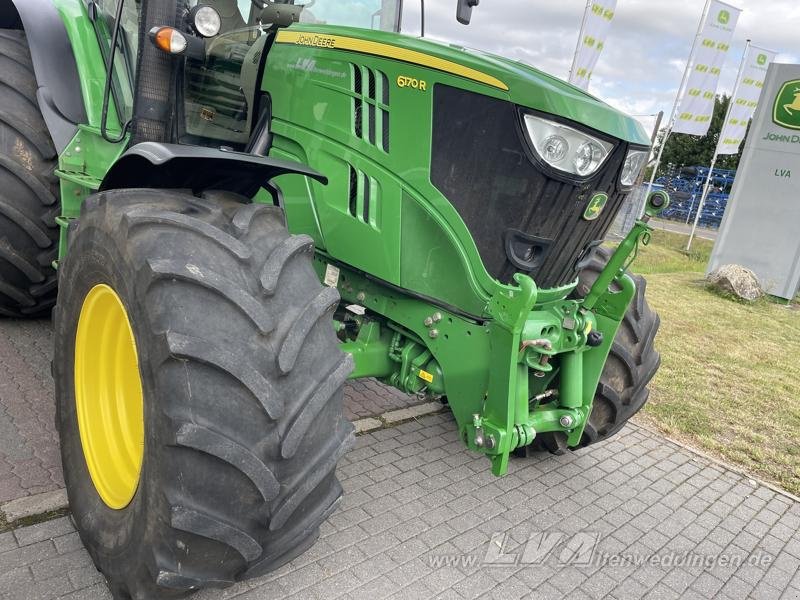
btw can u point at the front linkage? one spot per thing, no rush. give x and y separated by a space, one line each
532 366
574 334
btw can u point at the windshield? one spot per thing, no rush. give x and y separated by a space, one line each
367 14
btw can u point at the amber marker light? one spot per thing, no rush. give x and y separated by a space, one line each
168 39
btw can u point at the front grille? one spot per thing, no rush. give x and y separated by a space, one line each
521 218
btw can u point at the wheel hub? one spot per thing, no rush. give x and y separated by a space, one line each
108 397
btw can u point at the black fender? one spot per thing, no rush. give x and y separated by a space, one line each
175 166
59 92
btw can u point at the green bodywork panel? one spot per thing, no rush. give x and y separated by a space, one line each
413 238
512 360
88 157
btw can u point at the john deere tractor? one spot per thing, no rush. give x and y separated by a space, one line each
234 206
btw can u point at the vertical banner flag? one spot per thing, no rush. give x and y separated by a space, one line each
743 105
697 106
596 23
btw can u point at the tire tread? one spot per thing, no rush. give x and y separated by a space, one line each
27 156
269 446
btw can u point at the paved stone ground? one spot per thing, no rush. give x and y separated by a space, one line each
421 515
29 456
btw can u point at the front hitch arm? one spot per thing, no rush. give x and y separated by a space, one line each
554 350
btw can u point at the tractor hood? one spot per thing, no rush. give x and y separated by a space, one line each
535 89
504 78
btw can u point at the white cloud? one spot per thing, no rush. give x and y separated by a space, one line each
645 54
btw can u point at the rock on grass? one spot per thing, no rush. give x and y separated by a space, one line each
737 281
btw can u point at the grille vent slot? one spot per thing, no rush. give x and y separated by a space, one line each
371 97
363 197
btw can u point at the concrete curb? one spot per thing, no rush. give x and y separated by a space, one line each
717 461
33 506
397 417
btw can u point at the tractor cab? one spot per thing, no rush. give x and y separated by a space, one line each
216 87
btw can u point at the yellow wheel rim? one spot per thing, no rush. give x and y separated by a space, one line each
108 396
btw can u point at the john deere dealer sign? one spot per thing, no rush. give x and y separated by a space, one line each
761 227
786 109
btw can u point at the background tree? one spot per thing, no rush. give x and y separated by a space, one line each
690 150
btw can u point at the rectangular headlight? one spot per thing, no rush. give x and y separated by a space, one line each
565 148
634 163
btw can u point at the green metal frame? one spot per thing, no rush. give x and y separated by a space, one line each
525 370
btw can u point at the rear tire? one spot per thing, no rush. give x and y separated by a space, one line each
632 363
242 379
28 188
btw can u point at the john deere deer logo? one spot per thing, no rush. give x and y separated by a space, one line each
762 59
786 111
795 105
595 206
724 17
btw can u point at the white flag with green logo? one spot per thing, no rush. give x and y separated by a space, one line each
596 24
748 91
697 106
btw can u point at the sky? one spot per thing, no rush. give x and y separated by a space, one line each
645 54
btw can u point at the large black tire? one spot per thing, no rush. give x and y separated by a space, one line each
632 363
28 188
242 380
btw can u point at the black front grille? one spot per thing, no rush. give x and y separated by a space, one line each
521 218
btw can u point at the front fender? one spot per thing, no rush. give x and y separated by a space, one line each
59 92
175 166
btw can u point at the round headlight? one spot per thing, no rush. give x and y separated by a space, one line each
633 166
588 158
555 148
205 20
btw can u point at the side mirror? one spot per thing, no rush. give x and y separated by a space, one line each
464 10
280 15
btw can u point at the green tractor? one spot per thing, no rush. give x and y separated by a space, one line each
234 206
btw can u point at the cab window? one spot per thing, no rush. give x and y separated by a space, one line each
127 48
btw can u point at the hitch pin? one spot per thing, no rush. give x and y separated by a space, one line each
544 359
540 343
477 422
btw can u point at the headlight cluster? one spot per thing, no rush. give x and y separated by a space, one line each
565 148
634 163
572 151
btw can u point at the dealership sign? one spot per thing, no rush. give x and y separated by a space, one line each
786 111
759 229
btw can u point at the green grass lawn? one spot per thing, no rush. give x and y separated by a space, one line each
730 376
666 253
